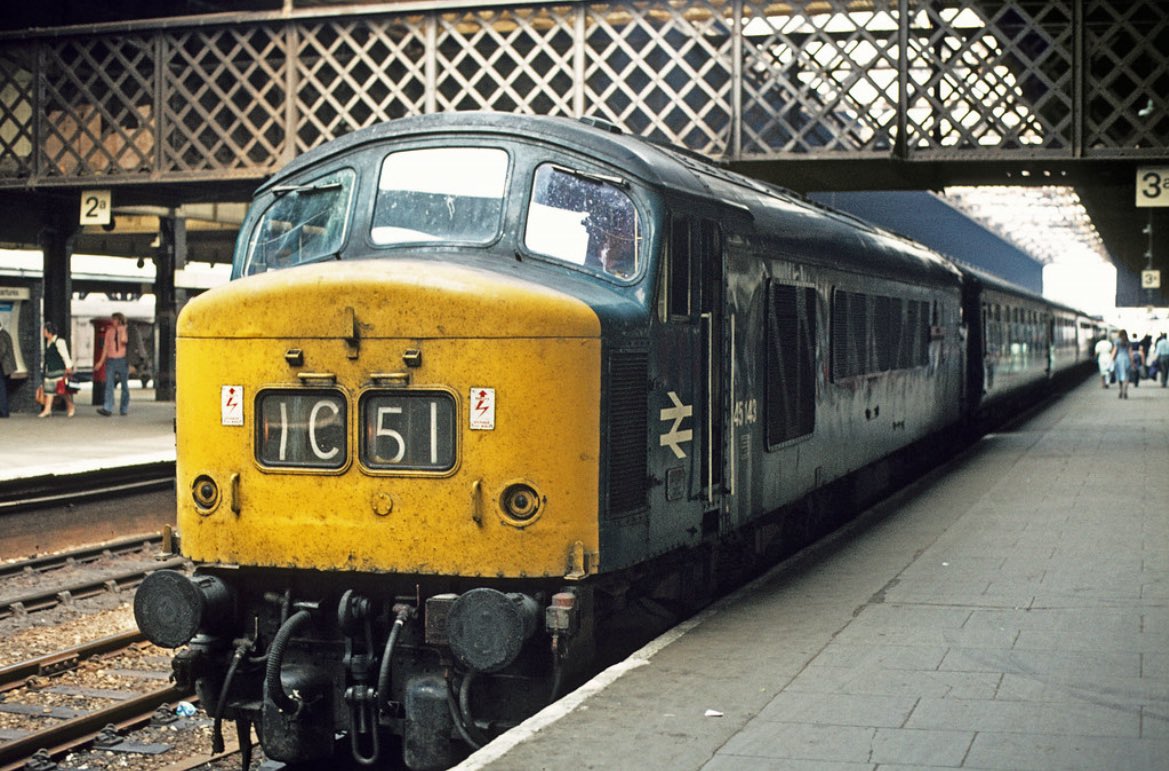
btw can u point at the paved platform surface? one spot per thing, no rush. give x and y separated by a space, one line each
1009 611
32 446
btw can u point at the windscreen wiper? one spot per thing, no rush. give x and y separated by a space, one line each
314 187
593 176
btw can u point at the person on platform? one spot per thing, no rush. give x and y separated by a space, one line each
7 367
57 366
1146 345
113 356
1122 363
1161 354
1103 352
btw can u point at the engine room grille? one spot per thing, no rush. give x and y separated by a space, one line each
628 416
874 333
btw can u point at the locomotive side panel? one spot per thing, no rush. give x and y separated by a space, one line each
752 414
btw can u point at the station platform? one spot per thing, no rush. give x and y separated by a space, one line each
57 445
1008 611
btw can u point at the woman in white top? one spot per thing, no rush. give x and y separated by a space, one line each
1103 351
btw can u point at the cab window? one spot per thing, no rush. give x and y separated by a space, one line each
440 195
306 221
584 219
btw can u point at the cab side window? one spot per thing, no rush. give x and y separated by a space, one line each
677 279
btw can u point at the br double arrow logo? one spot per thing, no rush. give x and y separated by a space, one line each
675 437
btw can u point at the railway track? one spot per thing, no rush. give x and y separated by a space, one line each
48 598
20 673
81 555
73 728
107 703
86 578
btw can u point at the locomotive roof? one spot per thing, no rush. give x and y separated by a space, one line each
798 227
638 157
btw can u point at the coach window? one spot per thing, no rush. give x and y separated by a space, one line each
791 362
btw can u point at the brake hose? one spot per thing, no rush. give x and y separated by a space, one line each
285 702
383 674
457 718
241 648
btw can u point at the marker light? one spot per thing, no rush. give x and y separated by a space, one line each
520 502
205 492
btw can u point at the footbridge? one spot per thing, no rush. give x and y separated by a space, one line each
814 94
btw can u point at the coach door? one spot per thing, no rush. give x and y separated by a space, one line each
693 308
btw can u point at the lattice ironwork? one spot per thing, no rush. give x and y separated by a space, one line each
990 75
82 136
736 79
1127 84
508 60
17 112
663 70
819 78
226 95
353 73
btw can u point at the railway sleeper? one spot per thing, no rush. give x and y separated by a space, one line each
109 740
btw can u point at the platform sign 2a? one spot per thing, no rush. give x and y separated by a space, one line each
1152 186
96 207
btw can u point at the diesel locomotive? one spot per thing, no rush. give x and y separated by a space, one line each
480 381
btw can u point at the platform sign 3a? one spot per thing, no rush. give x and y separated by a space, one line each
1152 186
1150 279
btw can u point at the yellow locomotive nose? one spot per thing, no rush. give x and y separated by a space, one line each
389 416
382 299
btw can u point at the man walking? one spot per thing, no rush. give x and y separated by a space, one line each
113 355
1161 351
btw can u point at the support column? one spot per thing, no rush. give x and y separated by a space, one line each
172 252
57 249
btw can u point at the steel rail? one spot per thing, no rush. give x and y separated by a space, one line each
52 489
81 555
58 594
16 675
80 730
